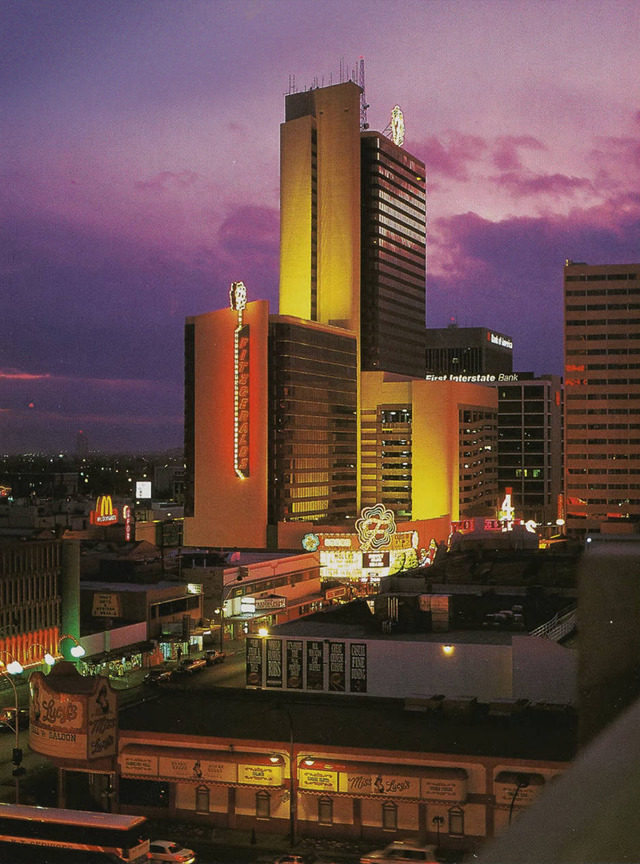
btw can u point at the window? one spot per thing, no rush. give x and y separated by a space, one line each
325 811
263 805
456 821
202 799
390 816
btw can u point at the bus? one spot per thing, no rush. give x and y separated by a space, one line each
51 835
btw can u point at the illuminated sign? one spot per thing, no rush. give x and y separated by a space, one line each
126 512
507 511
143 489
70 725
310 542
497 339
238 299
375 559
375 527
104 514
323 781
476 379
397 125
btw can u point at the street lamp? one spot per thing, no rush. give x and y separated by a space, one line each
292 775
76 651
9 669
521 783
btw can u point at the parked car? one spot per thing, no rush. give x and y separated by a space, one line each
157 676
167 850
192 664
214 655
295 859
399 851
8 719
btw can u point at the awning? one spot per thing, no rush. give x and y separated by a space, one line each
117 653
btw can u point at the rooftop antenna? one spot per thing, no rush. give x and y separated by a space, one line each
342 70
363 102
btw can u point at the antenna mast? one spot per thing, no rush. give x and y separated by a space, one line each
363 102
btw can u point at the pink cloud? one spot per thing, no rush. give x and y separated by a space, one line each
451 155
506 156
167 180
525 183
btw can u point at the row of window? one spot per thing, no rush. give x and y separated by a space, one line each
601 277
591 486
603 426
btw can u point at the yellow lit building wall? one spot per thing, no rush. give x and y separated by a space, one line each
334 116
296 217
228 510
435 409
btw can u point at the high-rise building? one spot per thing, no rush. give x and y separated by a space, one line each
352 231
393 257
602 397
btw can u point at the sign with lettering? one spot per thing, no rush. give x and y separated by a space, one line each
315 666
444 789
324 781
337 667
135 765
104 514
238 301
197 769
261 775
375 559
70 725
274 663
294 664
106 605
388 785
254 661
358 667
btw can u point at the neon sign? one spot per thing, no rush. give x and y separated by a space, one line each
126 512
397 126
375 527
238 300
104 514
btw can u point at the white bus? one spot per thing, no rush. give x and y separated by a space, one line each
48 834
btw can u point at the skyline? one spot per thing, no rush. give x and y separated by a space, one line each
141 177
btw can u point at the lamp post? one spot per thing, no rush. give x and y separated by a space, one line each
292 774
9 669
521 783
76 651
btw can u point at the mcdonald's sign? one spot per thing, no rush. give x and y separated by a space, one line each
104 514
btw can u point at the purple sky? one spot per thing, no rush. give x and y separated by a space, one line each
140 176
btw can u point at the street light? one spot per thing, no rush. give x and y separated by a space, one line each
292 774
522 782
9 669
76 651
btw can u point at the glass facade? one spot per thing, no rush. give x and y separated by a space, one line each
529 445
393 258
313 429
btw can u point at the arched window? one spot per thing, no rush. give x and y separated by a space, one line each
390 816
325 811
263 805
202 799
456 821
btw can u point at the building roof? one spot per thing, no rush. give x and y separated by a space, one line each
363 722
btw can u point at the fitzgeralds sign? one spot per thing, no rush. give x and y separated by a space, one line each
104 514
241 345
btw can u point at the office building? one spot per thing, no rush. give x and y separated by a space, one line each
530 445
353 224
602 395
472 354
428 447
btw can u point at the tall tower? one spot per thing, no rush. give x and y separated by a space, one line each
602 397
320 206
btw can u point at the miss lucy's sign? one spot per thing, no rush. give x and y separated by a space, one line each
71 725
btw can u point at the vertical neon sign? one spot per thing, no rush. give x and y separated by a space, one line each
238 300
